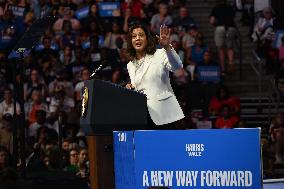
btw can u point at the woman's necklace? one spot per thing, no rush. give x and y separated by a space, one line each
139 63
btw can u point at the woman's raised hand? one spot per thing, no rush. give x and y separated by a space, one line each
164 38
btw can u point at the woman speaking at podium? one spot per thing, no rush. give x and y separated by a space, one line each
149 72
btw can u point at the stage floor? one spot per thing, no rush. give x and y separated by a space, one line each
273 184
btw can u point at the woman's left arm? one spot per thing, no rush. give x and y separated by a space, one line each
173 61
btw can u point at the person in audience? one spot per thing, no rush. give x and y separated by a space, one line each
83 163
7 105
67 37
73 161
118 61
176 43
36 103
65 151
7 173
7 38
65 145
208 59
110 40
129 19
223 97
44 156
189 37
76 67
135 6
93 54
67 56
222 18
85 75
48 51
35 81
67 15
6 132
40 8
183 21
58 121
52 153
61 102
207 63
62 80
263 28
195 54
92 18
161 18
148 10
39 122
225 118
9 20
276 131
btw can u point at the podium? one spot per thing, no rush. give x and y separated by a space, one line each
107 107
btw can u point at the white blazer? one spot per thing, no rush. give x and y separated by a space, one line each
153 80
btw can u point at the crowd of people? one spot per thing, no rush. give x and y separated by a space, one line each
74 46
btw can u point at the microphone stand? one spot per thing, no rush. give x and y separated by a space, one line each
19 127
95 71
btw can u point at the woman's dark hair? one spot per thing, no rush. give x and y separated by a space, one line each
226 90
151 42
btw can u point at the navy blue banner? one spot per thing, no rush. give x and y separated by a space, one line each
17 10
208 73
189 159
109 9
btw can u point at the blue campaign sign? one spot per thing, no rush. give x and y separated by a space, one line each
109 9
17 10
124 159
82 13
191 159
208 73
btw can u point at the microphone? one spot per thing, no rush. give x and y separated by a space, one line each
95 71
